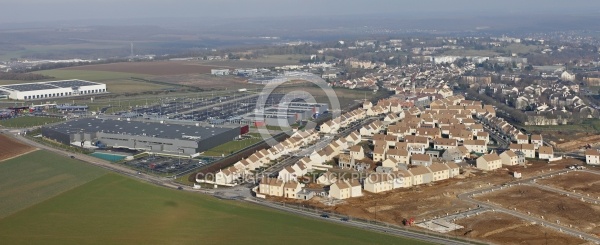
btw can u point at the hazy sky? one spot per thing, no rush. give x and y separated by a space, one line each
50 10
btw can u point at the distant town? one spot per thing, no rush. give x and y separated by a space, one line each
423 135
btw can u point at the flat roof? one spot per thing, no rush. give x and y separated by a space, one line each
48 85
139 128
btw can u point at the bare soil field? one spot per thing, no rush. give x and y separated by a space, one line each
578 181
428 201
537 167
579 142
158 68
10 148
501 228
553 206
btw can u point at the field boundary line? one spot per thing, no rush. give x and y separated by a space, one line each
22 154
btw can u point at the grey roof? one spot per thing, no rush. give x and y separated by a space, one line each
170 131
47 85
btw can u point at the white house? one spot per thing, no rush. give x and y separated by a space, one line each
377 183
546 152
489 162
592 157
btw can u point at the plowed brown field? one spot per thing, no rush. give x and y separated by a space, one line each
159 68
10 148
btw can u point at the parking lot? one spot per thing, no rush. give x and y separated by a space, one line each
167 165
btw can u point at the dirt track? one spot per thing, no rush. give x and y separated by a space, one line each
10 148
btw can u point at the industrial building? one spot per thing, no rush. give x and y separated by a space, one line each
154 137
283 114
52 89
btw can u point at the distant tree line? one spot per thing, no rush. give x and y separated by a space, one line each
22 76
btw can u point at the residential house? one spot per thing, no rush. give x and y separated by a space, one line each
457 154
345 188
417 141
453 169
489 162
485 136
271 187
353 138
592 157
510 158
444 143
421 175
537 140
402 179
340 190
378 182
439 171
477 146
402 155
546 152
420 159
357 152
430 133
522 139
367 105
288 173
291 189
394 164
379 153
527 149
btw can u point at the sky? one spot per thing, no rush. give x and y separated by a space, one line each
19 11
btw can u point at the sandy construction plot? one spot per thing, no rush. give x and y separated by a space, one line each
501 228
552 206
579 181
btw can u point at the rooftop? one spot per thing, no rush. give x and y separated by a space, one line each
152 129
47 85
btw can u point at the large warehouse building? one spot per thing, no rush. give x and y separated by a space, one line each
53 89
149 136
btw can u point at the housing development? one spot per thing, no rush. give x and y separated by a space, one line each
420 126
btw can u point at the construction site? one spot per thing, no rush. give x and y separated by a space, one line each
533 201
439 203
587 182
501 228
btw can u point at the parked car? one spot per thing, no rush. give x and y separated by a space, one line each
325 215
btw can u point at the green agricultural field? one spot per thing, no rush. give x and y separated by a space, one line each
28 121
230 147
116 82
35 177
117 210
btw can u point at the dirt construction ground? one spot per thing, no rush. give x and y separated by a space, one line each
568 210
501 228
10 148
578 181
428 201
